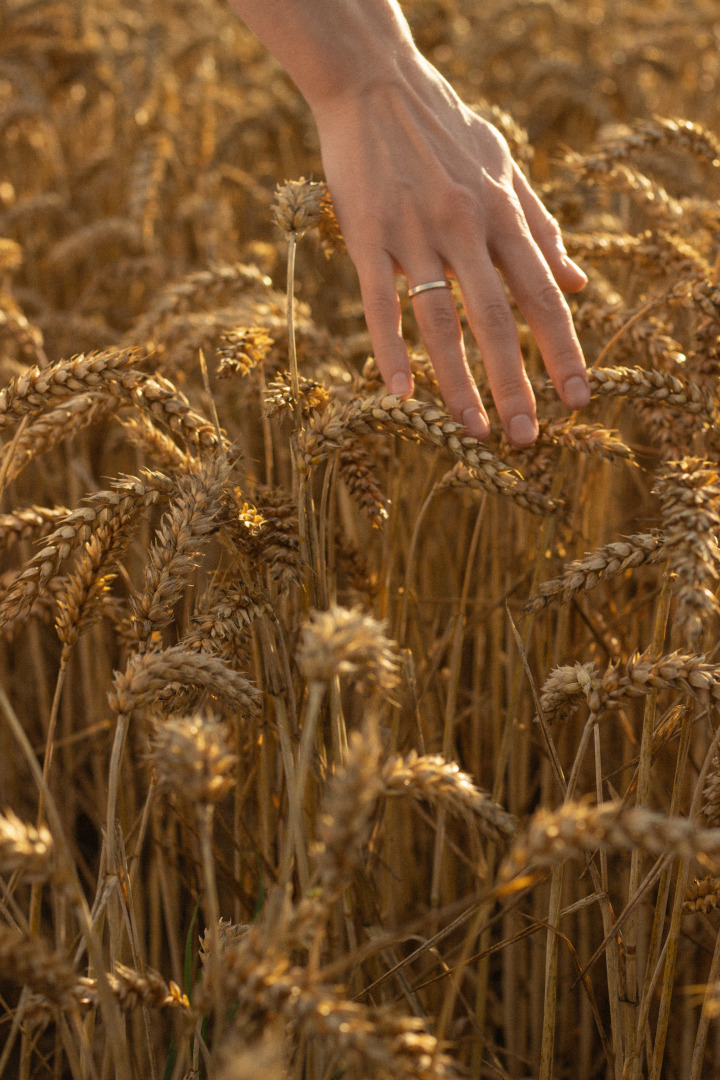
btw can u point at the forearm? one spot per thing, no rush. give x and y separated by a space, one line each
330 47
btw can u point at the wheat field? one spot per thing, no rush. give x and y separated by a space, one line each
334 743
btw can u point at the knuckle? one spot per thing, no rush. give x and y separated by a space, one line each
511 389
549 227
545 301
459 204
567 358
497 319
380 309
439 320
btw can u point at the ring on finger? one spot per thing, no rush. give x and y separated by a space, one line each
443 283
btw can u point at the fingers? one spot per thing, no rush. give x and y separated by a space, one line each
546 234
524 243
527 271
382 315
493 326
440 329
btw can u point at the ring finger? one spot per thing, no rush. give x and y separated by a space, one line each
439 326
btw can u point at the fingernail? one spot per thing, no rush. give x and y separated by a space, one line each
522 430
577 392
401 384
475 423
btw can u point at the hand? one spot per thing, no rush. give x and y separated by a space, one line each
425 188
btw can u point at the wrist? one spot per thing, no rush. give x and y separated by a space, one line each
333 48
358 70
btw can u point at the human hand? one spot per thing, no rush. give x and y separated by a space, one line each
424 187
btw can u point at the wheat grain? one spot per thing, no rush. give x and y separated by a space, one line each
124 501
342 641
552 836
298 205
38 388
30 523
147 674
183 532
443 784
25 849
703 895
565 687
191 757
586 573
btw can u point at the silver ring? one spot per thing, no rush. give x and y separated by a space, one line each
442 284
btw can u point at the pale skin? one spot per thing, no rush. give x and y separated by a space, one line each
425 188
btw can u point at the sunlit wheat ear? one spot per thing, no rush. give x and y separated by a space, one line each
346 817
266 535
52 427
146 178
145 680
183 532
242 350
213 287
123 502
81 593
147 675
553 836
222 619
328 226
347 641
661 133
40 388
154 443
30 523
643 672
357 468
168 405
192 758
584 439
689 493
17 332
314 396
373 1041
25 850
131 989
655 386
703 895
582 575
229 935
711 793
298 205
655 200
30 963
565 689
417 420
487 480
444 785
657 253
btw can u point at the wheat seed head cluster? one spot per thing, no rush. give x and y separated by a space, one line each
334 742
